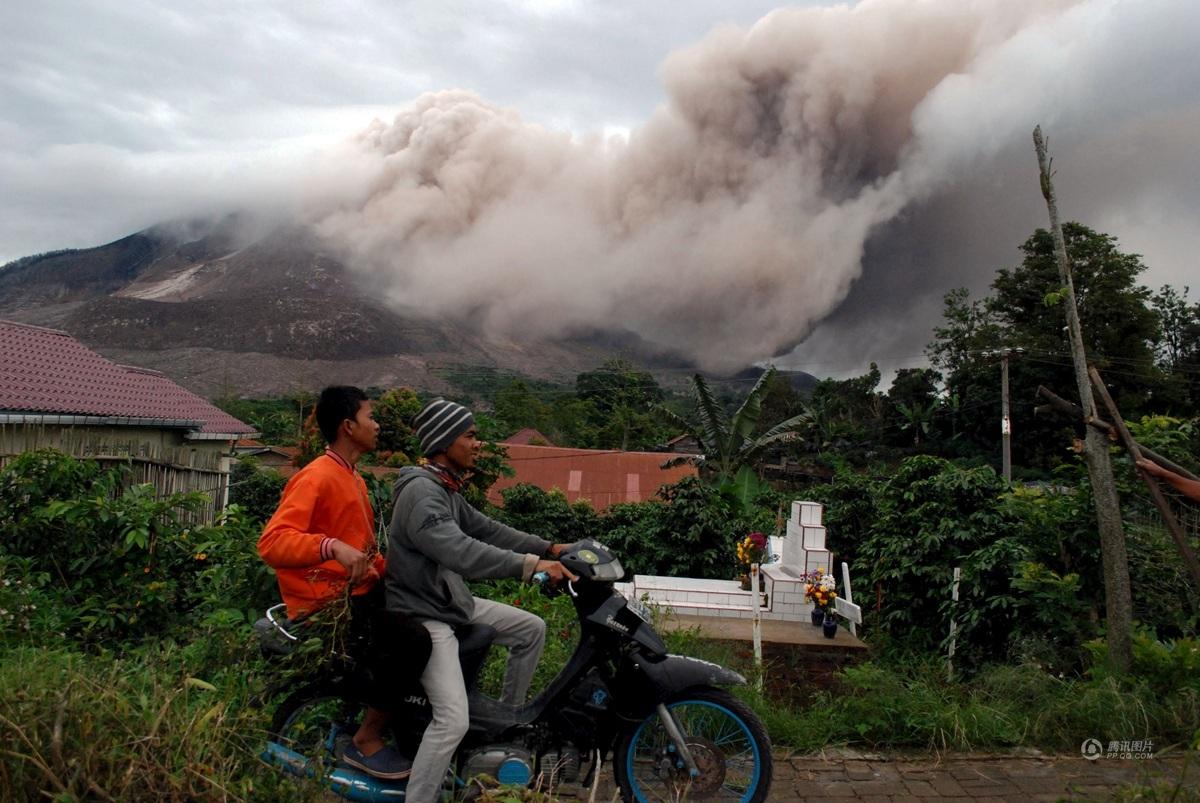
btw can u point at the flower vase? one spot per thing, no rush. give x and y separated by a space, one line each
829 626
818 616
744 581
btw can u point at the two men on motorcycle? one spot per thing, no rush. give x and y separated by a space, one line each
436 539
321 543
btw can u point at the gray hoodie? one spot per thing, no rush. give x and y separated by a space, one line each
436 539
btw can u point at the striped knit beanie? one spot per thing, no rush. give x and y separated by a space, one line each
439 424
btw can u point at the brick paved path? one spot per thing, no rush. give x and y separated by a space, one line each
981 779
963 779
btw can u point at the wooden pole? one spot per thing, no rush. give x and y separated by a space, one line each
756 623
848 594
1177 534
1118 597
953 624
1006 420
1056 402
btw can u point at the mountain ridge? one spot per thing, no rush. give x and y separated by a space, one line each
217 310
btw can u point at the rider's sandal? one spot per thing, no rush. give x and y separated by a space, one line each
385 763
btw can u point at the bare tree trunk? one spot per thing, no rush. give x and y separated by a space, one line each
1117 597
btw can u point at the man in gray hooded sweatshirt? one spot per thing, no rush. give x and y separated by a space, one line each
435 540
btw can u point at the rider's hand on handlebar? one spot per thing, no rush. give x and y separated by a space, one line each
357 564
557 549
556 570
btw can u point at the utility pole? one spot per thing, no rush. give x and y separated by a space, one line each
1005 418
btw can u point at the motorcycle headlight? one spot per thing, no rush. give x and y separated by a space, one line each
611 571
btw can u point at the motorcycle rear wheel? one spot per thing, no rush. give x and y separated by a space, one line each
316 722
728 743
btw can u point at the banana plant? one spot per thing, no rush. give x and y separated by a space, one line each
729 448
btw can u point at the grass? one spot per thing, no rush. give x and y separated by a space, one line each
77 726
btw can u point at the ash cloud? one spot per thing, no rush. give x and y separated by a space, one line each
736 218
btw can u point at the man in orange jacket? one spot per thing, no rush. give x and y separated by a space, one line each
321 544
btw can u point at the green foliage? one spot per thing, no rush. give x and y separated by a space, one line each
167 724
1122 326
394 410
1165 667
692 534
913 705
548 514
254 489
120 558
730 442
914 525
277 420
117 564
235 586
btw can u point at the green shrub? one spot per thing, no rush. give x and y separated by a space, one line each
547 514
120 564
692 533
255 489
235 585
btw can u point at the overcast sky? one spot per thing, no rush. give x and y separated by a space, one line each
115 116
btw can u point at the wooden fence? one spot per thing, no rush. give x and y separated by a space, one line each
171 468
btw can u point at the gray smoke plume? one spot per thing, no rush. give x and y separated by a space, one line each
736 218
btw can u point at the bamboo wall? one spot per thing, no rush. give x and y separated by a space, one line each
159 457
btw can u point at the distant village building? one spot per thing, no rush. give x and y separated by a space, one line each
57 393
278 458
529 437
602 477
683 444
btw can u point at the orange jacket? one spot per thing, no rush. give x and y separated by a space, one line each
326 500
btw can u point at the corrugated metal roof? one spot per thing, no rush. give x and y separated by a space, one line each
602 477
48 371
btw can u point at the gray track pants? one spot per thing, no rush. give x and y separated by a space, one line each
523 633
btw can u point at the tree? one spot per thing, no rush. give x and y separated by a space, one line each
622 398
1118 598
1024 310
394 411
912 400
1177 349
517 407
970 327
728 443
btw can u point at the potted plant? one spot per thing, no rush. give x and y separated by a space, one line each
750 550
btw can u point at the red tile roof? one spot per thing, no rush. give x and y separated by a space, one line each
48 371
602 477
529 435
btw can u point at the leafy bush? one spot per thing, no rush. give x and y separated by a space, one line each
235 586
692 533
28 612
930 516
255 489
547 514
120 564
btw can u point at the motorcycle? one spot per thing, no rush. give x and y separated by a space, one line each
672 729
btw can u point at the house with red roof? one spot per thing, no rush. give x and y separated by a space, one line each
57 393
602 477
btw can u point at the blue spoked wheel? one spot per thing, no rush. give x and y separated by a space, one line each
727 741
